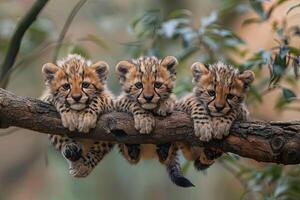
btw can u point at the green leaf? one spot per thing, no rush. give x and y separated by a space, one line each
294 50
171 27
279 66
281 102
147 24
180 13
212 18
288 94
258 8
283 53
292 8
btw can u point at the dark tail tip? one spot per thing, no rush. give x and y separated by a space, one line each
183 182
176 176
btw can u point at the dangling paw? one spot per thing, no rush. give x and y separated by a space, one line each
72 152
212 154
133 152
203 161
163 151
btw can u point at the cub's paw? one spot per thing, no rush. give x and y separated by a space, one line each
69 120
79 169
162 151
133 151
86 122
203 131
203 161
144 123
165 109
221 128
72 152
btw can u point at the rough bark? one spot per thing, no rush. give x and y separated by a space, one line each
277 142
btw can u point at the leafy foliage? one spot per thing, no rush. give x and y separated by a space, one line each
210 41
270 181
207 40
156 35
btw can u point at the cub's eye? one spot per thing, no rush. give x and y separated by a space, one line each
211 93
85 84
66 86
139 85
230 96
158 84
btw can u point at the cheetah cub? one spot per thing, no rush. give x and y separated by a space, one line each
147 85
216 102
77 89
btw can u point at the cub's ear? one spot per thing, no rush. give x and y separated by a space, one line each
199 69
247 77
170 62
123 67
49 70
101 68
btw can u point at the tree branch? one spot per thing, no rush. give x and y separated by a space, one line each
16 39
277 142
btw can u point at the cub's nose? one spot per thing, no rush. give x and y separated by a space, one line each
219 108
148 98
77 97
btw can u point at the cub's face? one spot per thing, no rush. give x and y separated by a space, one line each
75 81
148 80
221 87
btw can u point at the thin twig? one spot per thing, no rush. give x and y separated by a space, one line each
38 52
17 37
66 27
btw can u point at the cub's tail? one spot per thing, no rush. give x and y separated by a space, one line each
174 171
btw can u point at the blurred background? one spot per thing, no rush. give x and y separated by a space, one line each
262 35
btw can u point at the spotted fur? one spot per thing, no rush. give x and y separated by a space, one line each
147 85
76 87
216 102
